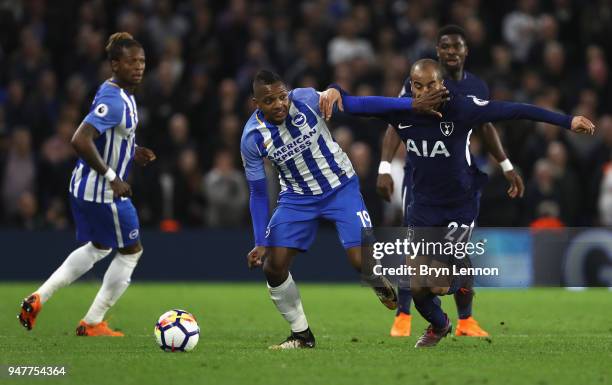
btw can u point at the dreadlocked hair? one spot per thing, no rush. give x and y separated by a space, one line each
117 42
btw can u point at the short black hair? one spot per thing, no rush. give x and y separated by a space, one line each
117 42
266 77
451 29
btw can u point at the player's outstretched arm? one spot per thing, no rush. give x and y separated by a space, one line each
482 111
384 182
379 105
83 143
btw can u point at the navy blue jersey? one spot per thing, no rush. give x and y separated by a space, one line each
438 149
470 85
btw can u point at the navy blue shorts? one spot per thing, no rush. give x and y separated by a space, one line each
108 224
416 215
295 225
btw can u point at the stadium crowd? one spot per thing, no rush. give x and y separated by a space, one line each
196 96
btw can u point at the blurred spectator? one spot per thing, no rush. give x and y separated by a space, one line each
547 32
425 46
57 159
182 190
605 197
344 137
541 189
347 46
26 217
15 108
178 139
520 28
226 192
45 104
166 23
19 171
30 59
56 216
567 183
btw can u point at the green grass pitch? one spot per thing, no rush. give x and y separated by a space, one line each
539 336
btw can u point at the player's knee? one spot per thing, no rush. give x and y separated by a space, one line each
132 249
131 260
96 252
273 268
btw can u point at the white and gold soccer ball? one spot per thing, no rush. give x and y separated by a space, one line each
177 331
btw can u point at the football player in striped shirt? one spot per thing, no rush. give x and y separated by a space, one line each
104 215
317 182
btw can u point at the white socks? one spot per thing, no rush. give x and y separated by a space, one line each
78 263
116 281
287 299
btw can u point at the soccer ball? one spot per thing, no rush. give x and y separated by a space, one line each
177 330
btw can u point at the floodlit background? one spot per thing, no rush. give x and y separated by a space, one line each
201 56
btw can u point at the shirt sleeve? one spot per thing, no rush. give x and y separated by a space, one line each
259 207
258 193
375 106
106 113
309 96
252 160
483 111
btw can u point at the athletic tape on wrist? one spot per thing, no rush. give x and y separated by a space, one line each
506 165
384 167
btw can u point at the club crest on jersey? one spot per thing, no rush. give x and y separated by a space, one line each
299 119
447 128
478 102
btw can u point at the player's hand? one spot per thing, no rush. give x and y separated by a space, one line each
256 256
143 156
517 186
327 100
582 125
429 103
120 188
384 186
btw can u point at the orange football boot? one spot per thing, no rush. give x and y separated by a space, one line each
97 330
401 325
469 328
30 307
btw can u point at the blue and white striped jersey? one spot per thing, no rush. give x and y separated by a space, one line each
308 159
113 113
